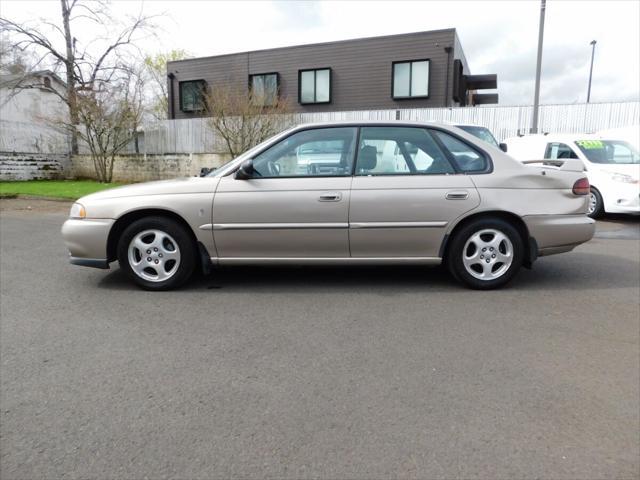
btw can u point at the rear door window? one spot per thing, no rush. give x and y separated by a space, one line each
400 151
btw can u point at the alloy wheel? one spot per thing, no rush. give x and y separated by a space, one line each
487 254
154 255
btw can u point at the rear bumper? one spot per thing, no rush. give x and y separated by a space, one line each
86 241
559 233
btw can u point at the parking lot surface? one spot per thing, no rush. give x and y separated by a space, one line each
306 372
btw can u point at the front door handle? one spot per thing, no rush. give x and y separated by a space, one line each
457 195
330 197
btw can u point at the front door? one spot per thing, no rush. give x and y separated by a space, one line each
297 204
407 188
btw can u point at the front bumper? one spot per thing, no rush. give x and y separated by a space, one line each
86 241
559 233
621 197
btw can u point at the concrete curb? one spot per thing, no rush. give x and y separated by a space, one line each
35 197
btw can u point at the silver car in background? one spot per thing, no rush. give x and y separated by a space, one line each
341 193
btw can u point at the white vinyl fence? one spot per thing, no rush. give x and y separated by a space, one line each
195 136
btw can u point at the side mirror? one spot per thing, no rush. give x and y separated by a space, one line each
503 147
246 170
204 171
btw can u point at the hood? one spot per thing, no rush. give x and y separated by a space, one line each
627 169
161 187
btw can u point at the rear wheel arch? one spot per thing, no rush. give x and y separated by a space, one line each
128 218
511 218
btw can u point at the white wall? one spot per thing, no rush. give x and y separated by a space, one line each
31 105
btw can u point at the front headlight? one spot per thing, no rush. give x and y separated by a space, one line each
77 211
622 177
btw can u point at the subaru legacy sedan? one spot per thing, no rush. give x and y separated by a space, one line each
341 193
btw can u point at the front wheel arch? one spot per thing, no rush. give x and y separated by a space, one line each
530 248
127 219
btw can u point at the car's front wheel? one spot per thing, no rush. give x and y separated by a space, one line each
486 253
156 253
596 205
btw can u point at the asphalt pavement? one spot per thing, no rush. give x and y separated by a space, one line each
317 372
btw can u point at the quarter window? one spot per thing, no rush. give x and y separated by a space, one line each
400 151
411 79
467 159
314 86
264 89
318 152
192 95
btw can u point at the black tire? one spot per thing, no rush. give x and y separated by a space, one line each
185 244
454 256
598 211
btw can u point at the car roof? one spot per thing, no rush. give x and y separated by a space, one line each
395 123
555 137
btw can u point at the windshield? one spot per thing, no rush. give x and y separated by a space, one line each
609 151
480 132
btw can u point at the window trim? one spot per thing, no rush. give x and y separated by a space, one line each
410 62
180 86
300 72
251 75
359 127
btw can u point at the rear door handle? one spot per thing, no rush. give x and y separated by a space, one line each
330 197
457 195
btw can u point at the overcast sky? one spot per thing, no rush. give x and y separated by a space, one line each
497 36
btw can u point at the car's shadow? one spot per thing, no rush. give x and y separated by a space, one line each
574 271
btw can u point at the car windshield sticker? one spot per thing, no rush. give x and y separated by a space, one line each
590 144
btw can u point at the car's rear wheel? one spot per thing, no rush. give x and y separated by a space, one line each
157 253
596 205
485 254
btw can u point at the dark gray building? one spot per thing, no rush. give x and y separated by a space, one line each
424 69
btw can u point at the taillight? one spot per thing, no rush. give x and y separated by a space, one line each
581 187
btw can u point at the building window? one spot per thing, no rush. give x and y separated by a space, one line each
411 79
192 95
314 86
264 89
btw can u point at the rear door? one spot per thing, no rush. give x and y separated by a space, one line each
408 186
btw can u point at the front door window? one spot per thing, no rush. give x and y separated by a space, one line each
326 152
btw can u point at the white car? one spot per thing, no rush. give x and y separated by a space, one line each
612 166
629 134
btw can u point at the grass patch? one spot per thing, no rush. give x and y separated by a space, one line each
65 189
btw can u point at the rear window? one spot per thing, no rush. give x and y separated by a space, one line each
482 133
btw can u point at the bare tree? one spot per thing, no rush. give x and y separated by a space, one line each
156 70
13 60
87 66
108 120
243 118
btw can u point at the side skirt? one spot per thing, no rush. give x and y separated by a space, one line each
327 260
